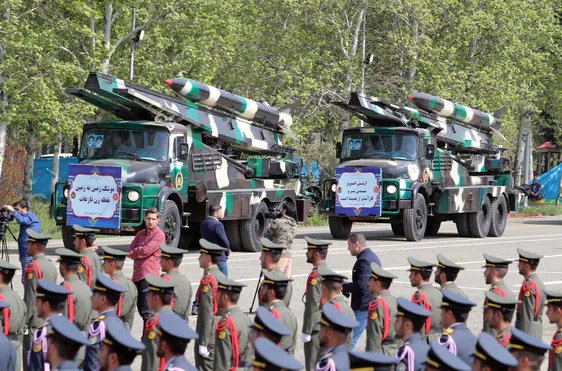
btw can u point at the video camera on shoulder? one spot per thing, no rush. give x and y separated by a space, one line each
5 217
274 212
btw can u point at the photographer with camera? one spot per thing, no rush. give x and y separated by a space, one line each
27 220
282 231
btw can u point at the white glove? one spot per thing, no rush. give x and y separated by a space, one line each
305 338
203 351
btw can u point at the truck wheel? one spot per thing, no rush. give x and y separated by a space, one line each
480 221
499 217
432 227
170 223
462 225
415 220
398 228
232 228
190 237
68 237
251 230
340 228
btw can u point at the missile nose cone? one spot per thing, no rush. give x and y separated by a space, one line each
410 97
168 82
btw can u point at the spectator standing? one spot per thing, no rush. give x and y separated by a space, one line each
21 213
282 231
359 287
145 252
213 231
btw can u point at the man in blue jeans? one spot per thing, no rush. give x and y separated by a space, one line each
359 287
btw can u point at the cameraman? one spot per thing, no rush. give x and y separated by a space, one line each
282 231
20 211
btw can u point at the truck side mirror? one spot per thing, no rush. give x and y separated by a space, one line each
338 149
430 151
184 150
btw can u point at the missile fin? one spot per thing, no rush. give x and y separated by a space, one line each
499 113
288 108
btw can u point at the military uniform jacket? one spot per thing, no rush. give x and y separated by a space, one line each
179 363
555 355
124 368
37 356
282 231
504 336
336 358
67 366
287 298
451 286
150 361
182 292
341 303
430 299
80 310
289 319
411 355
90 267
127 305
460 341
38 268
529 314
208 309
231 341
313 295
96 333
381 316
499 288
8 355
17 311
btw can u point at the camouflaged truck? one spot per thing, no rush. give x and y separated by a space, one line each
416 168
180 156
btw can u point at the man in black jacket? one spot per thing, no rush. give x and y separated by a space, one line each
359 287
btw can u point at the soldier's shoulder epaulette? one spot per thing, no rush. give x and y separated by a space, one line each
30 267
448 332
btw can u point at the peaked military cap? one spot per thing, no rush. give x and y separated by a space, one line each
406 308
497 301
522 341
84 231
492 261
420 265
490 351
272 358
332 317
111 253
275 278
370 361
553 297
377 272
272 247
455 301
118 336
225 283
210 248
266 321
68 255
316 244
171 252
332 276
107 285
527 256
446 263
440 358
159 285
50 289
5 265
171 324
61 327
33 236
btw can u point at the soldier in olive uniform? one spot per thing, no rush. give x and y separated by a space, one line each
8 356
316 253
105 296
529 313
494 273
269 357
498 312
267 326
527 349
272 291
446 274
269 259
232 335
84 243
160 296
38 268
173 336
113 261
171 260
490 355
119 348
208 308
410 321
554 314
12 317
381 314
64 342
427 296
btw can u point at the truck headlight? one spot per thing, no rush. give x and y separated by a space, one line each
391 189
133 196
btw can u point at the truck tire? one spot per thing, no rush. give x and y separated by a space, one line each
415 220
462 225
68 237
398 228
499 217
251 230
432 227
480 221
340 228
232 228
190 237
170 223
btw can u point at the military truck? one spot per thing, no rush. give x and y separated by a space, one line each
418 167
179 156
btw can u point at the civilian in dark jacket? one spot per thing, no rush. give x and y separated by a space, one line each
359 287
213 231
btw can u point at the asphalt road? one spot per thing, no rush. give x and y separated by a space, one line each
541 235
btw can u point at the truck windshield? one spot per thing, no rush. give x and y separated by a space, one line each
395 146
136 144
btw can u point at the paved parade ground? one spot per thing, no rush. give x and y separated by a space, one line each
541 235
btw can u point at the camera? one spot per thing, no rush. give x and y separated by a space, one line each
5 217
273 213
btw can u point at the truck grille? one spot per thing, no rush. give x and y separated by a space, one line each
202 162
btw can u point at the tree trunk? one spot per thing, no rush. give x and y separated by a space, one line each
411 74
56 162
28 172
3 96
524 127
107 23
